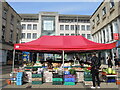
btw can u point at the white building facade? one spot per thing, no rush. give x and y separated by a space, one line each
52 23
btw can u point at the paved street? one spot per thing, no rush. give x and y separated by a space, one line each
7 69
49 85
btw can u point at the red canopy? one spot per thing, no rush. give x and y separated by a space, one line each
70 43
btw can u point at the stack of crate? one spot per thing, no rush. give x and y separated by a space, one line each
19 78
47 76
57 79
37 79
69 79
87 78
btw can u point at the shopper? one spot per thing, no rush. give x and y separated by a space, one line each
110 64
116 62
95 64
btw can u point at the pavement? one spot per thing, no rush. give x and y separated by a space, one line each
6 70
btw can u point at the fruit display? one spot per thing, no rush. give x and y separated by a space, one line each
109 71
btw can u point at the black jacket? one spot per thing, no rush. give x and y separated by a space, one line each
95 63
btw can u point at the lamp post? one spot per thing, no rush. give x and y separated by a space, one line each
76 27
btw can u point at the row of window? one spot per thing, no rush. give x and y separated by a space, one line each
88 36
74 27
29 35
29 26
12 19
104 11
73 20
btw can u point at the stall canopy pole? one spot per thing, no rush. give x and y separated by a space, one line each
13 60
63 59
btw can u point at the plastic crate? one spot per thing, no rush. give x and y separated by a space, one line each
57 79
87 79
28 67
36 75
57 83
69 83
69 76
56 75
69 80
19 83
36 82
66 72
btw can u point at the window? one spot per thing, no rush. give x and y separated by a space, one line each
12 19
23 26
61 34
88 27
66 27
72 27
23 35
72 34
4 15
17 38
3 33
111 3
104 11
67 34
88 36
61 27
83 27
78 27
18 24
28 35
83 35
34 26
29 26
34 35
98 17
93 21
11 35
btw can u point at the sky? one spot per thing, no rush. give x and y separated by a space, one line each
79 8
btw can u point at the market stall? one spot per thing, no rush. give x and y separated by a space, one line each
62 73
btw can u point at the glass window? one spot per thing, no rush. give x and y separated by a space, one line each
83 27
23 26
67 34
98 17
72 34
61 34
34 35
72 27
104 11
83 35
61 27
78 27
4 14
88 27
111 3
66 27
12 19
28 35
23 35
88 36
11 35
34 26
29 26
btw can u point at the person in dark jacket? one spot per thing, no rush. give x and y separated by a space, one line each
95 65
116 62
110 64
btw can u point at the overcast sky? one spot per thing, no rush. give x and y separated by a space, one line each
81 8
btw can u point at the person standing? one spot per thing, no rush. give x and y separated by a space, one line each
110 64
116 62
95 64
